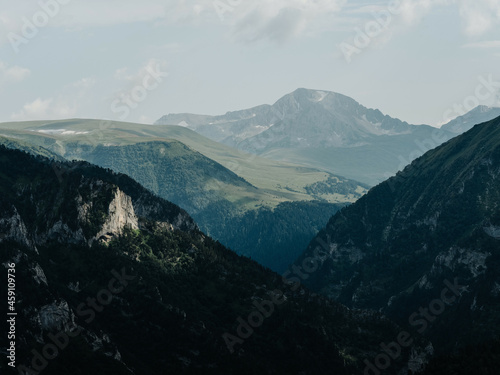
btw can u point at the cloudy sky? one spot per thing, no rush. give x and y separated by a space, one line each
422 61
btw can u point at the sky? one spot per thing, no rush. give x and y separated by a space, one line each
422 61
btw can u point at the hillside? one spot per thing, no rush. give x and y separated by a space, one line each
161 296
173 171
279 180
16 144
435 224
221 199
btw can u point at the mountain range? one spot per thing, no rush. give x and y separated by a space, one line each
327 130
304 118
124 256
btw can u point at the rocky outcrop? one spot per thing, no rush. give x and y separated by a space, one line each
13 228
493 231
457 258
56 316
121 213
39 275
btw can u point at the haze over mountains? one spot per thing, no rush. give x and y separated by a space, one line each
326 130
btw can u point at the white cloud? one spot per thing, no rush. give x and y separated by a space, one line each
287 23
376 24
12 74
280 20
36 110
46 109
62 106
360 9
277 20
480 16
145 120
6 25
413 11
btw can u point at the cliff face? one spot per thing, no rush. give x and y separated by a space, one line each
120 214
12 227
77 204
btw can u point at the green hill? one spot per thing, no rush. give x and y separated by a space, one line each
280 181
220 187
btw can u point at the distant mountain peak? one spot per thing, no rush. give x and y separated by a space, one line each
320 114
477 115
316 96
